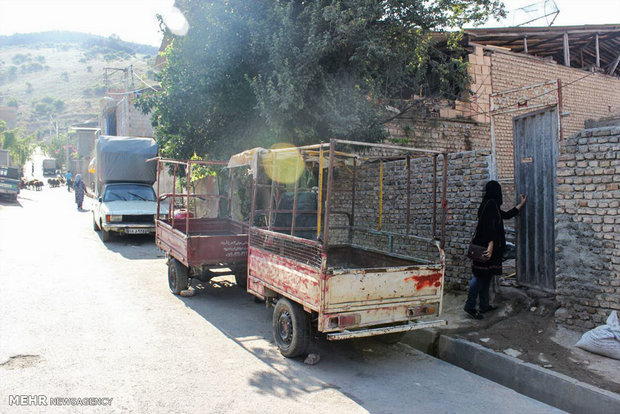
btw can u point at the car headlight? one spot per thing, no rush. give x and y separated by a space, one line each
110 218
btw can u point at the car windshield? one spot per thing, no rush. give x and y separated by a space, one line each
127 192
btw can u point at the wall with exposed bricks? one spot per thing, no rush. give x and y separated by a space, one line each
468 172
441 133
585 95
588 228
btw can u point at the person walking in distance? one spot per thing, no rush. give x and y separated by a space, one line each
80 189
68 178
489 232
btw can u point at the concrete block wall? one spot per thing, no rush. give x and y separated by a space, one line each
588 228
131 122
468 172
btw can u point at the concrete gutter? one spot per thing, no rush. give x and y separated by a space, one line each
547 386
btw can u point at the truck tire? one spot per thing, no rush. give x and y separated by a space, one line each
291 328
241 277
178 278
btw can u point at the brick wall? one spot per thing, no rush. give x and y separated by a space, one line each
468 172
442 133
585 95
588 228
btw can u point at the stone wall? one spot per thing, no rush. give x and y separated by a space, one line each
468 172
588 228
449 134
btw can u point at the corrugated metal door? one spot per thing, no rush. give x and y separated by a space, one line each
535 152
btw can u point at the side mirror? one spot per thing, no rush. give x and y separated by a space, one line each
100 199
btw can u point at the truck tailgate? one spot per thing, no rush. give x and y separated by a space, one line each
357 289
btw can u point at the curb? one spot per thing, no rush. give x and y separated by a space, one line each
547 386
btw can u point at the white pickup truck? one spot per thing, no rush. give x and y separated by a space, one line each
126 208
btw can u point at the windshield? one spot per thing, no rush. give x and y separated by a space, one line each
127 192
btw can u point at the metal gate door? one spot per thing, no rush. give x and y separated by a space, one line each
535 152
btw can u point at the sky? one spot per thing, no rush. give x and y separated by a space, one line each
134 20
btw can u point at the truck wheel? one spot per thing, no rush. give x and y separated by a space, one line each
391 338
241 277
178 278
291 329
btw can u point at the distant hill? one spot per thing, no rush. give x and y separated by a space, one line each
83 39
58 77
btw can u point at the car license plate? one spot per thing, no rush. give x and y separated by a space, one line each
137 231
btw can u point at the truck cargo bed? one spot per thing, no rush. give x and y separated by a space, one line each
203 241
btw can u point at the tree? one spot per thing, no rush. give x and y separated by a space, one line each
19 146
255 72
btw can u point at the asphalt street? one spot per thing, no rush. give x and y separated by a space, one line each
81 319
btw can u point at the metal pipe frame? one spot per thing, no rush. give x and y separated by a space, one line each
296 192
328 195
384 146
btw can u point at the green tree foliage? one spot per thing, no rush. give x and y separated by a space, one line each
19 146
255 72
49 105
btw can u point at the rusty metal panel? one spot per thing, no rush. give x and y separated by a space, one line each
288 277
365 289
226 249
172 241
384 330
535 152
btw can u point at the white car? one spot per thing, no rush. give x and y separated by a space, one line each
126 208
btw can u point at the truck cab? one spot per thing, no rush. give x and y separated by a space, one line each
126 208
9 182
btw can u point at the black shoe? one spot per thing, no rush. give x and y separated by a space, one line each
473 313
488 309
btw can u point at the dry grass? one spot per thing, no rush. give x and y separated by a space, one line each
60 59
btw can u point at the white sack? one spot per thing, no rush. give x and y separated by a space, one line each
603 340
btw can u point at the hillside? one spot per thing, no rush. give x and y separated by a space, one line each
60 75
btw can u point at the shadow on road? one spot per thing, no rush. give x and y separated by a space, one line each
234 312
10 203
134 247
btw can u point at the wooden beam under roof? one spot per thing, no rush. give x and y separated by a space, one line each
566 50
598 54
614 65
535 45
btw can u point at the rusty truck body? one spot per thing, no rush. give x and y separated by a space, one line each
326 247
197 242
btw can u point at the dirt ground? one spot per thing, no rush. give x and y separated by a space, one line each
524 328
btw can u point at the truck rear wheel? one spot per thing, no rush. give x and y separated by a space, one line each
178 278
291 328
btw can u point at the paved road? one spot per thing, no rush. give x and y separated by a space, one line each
82 319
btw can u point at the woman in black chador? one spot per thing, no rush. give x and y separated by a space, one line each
489 232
